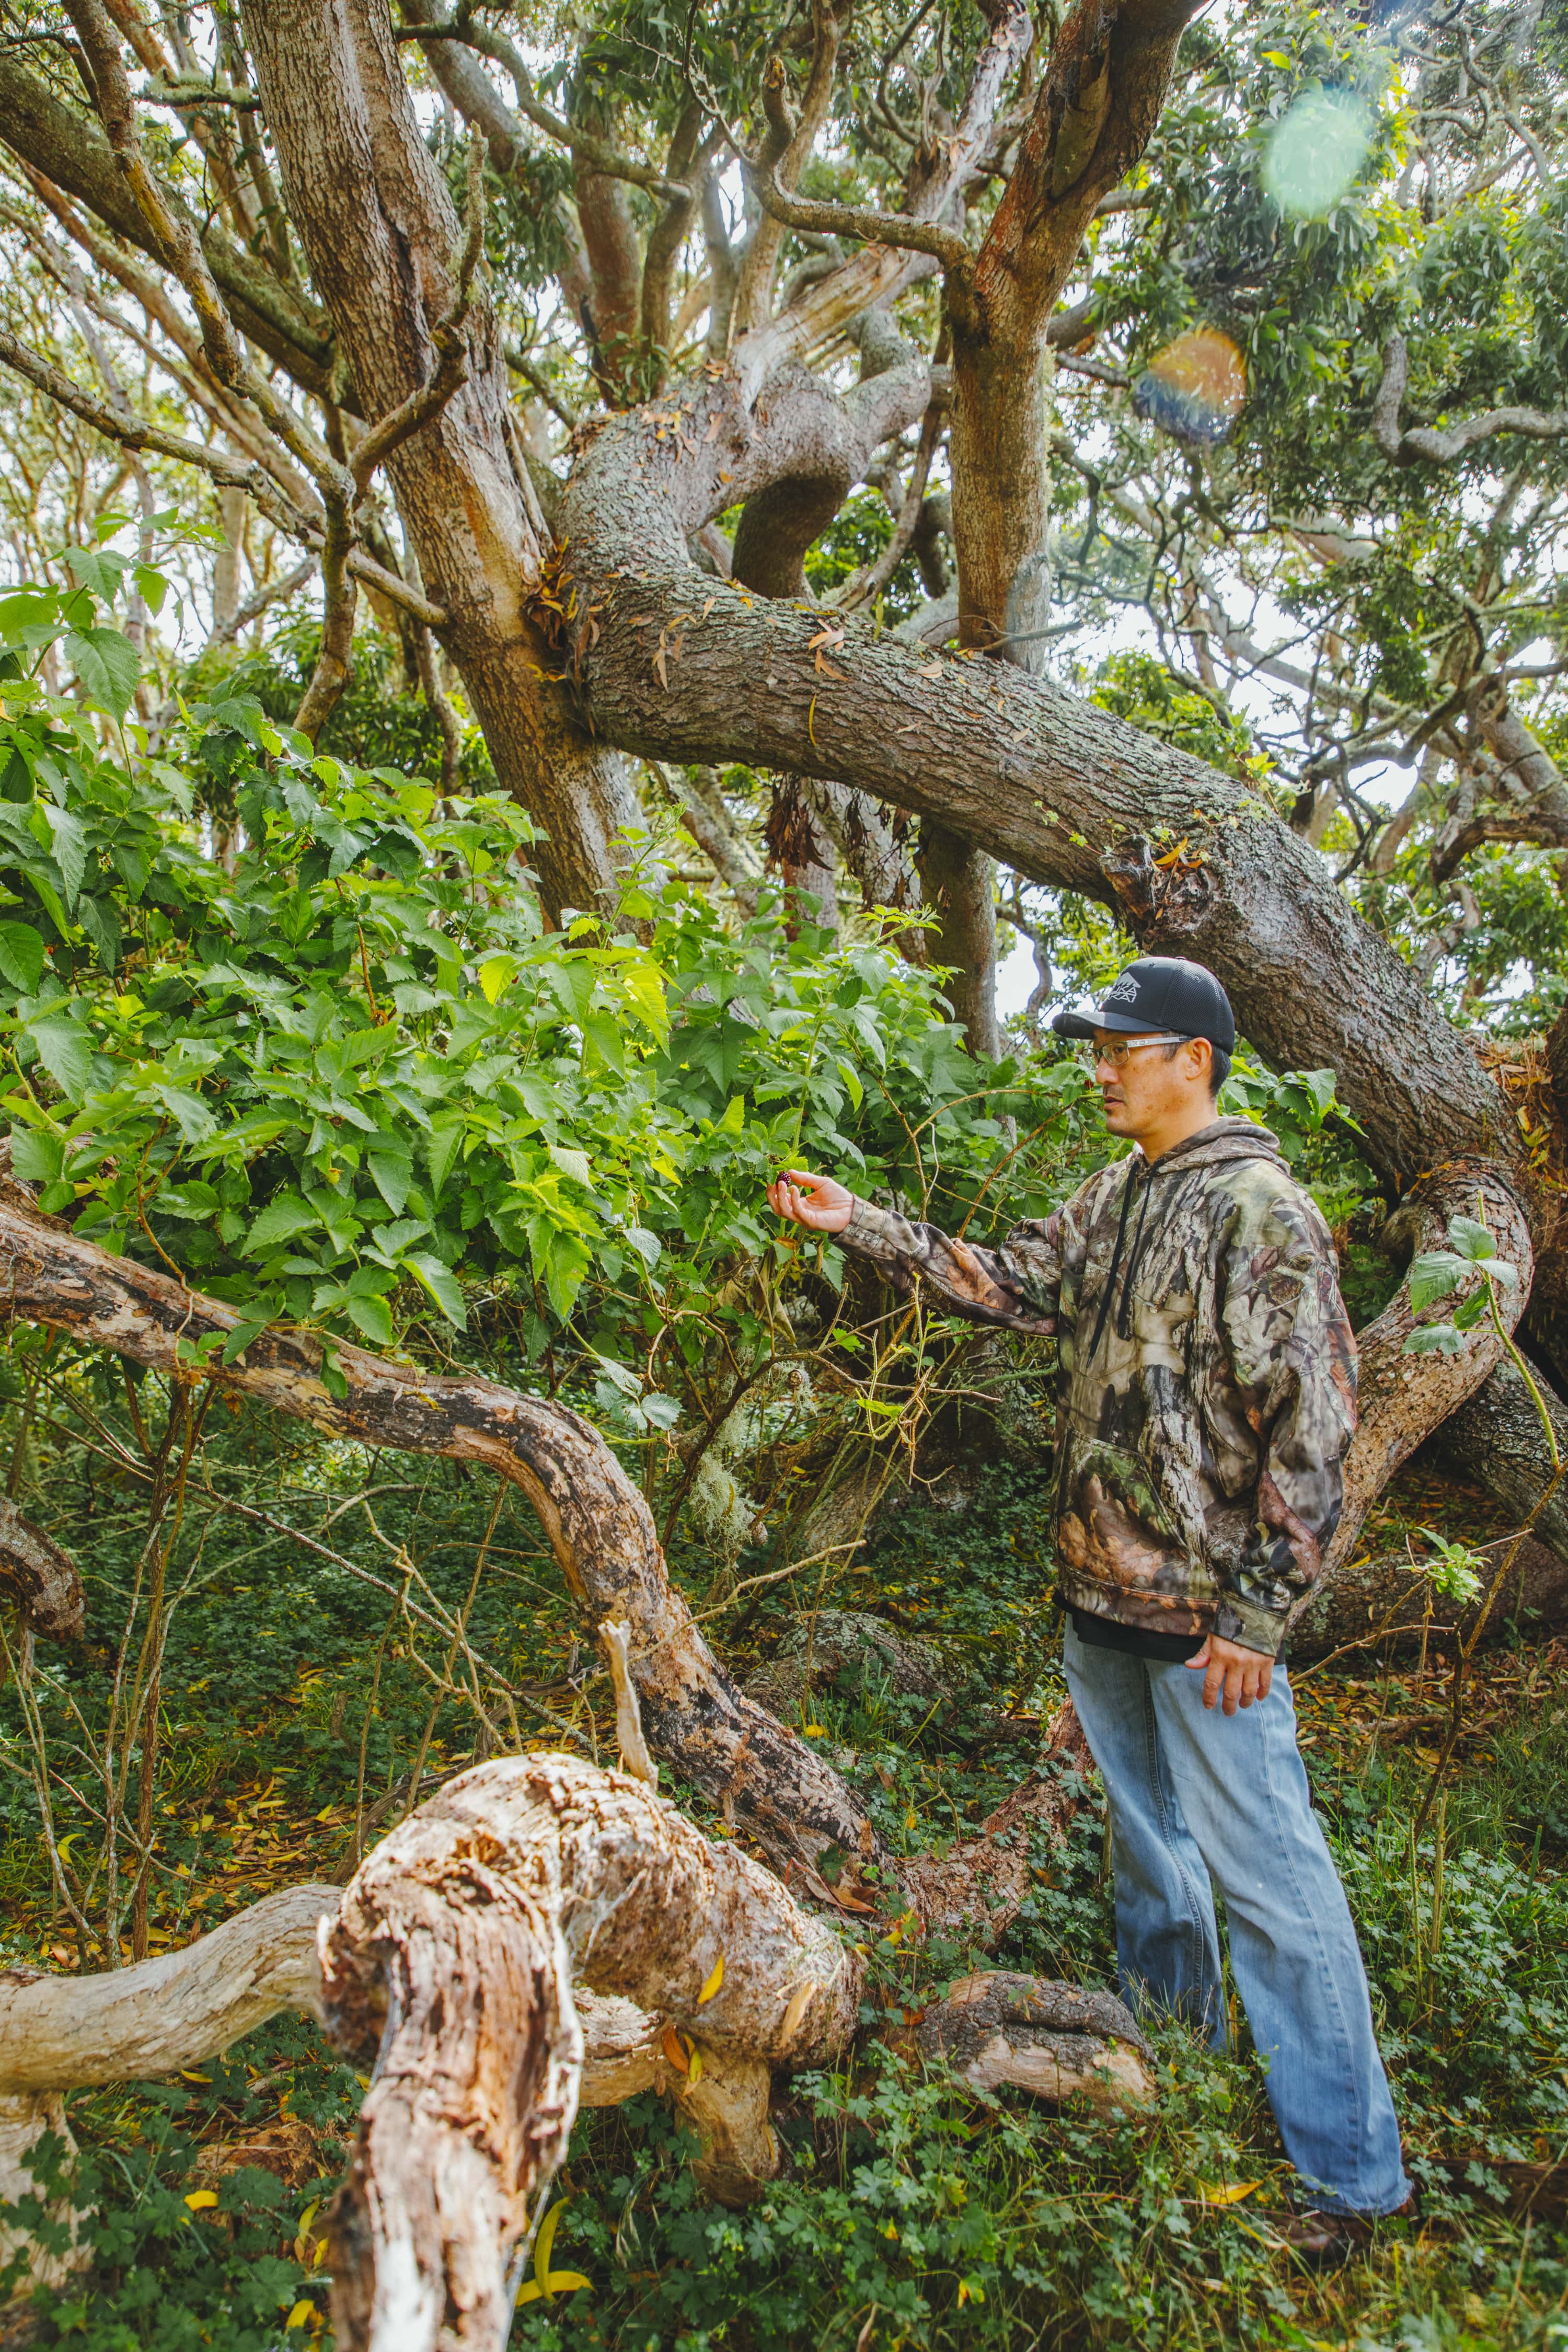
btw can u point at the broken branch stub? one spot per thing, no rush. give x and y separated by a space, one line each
40 1577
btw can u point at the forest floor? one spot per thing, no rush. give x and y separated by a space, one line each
909 2213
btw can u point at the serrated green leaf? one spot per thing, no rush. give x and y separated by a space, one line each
442 1285
37 1154
68 844
1470 1238
101 924
1435 1339
65 1051
279 1222
107 664
1432 1276
21 957
441 1147
394 1174
373 1318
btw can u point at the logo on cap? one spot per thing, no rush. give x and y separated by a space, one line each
1125 991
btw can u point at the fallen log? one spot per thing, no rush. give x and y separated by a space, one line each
1389 1601
540 1935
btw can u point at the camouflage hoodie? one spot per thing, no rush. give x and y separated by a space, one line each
1205 1377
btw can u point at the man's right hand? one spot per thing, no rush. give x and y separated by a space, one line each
817 1202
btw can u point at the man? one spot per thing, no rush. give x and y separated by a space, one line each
1205 1399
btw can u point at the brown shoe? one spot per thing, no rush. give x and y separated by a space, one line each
1324 2240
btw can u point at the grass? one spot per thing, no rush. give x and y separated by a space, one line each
909 2213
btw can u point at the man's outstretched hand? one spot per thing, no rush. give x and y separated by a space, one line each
1233 1676
817 1202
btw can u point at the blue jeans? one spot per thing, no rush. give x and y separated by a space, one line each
1200 1800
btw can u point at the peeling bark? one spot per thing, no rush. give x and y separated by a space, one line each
541 1933
453 1958
57 2034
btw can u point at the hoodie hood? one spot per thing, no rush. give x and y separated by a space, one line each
1223 1139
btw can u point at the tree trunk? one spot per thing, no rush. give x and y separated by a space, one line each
383 238
959 882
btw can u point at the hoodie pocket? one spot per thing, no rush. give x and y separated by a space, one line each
1112 1527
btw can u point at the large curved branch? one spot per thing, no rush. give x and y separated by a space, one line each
1059 789
58 2033
598 1526
769 1783
40 1577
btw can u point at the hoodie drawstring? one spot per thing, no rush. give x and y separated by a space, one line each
1108 1292
1124 1309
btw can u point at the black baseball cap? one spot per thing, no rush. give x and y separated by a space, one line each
1159 992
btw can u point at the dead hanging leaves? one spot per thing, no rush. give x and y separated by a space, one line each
554 607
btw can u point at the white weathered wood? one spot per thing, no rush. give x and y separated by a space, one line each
60 2032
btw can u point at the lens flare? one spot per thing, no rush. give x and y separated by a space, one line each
1195 389
1316 150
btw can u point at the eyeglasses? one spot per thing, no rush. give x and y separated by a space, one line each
1117 1054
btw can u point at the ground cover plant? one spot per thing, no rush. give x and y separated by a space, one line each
296 1719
